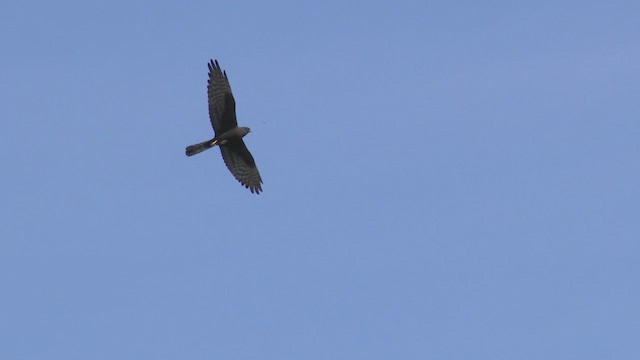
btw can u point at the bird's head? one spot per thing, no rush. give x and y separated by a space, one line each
244 131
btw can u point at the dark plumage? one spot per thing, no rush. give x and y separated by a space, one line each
228 136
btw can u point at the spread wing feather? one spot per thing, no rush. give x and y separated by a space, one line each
222 105
241 164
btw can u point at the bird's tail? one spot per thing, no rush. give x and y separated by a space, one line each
198 148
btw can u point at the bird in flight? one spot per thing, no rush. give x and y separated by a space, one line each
228 136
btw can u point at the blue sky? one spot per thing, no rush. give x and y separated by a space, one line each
442 180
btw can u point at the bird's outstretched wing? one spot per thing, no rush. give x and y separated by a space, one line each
222 106
241 164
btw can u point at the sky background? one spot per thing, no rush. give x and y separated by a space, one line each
442 180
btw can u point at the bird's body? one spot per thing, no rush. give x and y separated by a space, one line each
236 133
228 136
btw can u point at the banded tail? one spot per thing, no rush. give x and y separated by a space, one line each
198 148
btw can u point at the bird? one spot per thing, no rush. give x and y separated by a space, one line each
228 136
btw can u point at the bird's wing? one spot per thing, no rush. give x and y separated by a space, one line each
241 164
222 106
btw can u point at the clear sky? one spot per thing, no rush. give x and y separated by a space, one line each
442 180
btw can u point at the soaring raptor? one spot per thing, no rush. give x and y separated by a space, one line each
228 136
